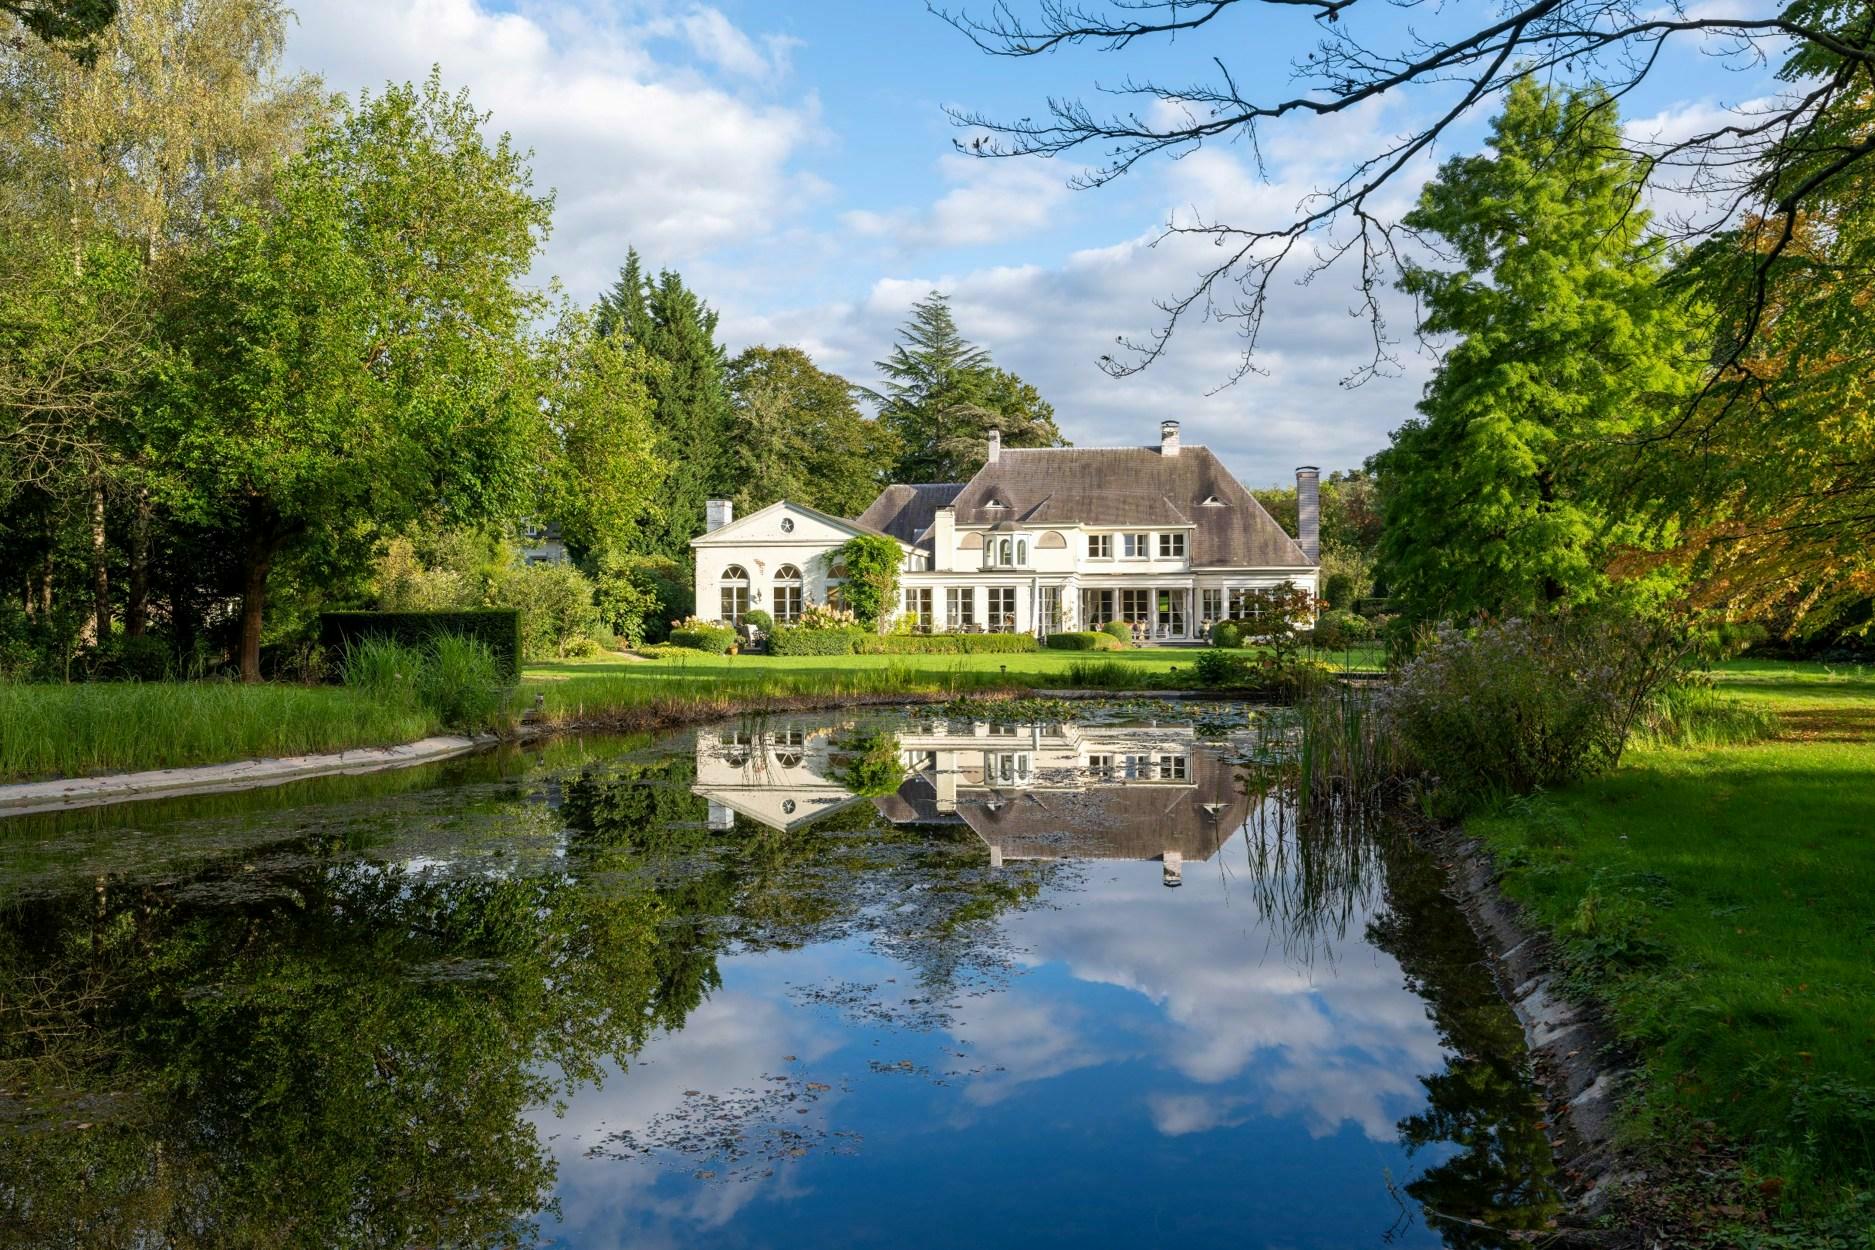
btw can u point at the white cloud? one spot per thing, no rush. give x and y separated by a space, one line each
989 202
639 149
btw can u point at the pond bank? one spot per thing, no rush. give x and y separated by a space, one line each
1572 1050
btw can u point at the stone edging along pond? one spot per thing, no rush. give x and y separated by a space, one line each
1581 1068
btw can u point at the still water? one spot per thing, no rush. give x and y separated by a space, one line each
879 980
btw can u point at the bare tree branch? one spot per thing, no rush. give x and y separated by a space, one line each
1764 164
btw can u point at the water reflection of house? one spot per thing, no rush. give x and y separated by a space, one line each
1029 791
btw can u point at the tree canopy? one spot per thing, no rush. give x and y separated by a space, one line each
1494 501
357 348
797 433
940 395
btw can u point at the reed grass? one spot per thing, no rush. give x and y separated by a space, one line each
103 727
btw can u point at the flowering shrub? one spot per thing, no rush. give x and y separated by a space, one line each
825 616
1518 705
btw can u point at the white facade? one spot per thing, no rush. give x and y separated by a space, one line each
1001 574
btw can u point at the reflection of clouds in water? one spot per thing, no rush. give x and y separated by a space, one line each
1029 1040
732 1040
1333 1044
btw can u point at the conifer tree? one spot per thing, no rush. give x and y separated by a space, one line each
1564 335
941 395
673 325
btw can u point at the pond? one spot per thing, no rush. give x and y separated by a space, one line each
881 979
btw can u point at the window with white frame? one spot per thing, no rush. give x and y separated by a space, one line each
1007 768
1136 546
1009 552
1172 546
1172 768
960 606
735 601
1213 604
1001 615
918 607
1100 546
1136 767
1136 606
787 594
1100 766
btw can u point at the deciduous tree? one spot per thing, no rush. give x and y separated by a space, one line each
356 345
1493 499
798 434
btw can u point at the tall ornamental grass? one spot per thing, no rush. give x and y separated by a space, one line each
453 679
105 727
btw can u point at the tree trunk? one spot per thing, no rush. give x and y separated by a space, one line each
100 566
253 598
45 582
137 594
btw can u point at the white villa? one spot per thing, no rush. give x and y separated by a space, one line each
1038 541
1143 792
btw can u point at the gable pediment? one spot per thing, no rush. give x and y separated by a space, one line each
784 522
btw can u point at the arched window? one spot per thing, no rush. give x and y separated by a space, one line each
1022 553
787 594
735 594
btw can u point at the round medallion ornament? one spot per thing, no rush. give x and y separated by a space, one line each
787 525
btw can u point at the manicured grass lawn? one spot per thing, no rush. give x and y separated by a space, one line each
105 727
1721 902
1037 668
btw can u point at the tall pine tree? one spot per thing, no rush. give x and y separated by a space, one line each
1494 495
941 395
672 324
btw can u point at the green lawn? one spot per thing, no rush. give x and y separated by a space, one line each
1721 902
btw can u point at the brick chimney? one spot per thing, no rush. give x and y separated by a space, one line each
996 446
717 513
1309 511
1168 438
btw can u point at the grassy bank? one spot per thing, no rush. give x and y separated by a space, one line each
105 727
1716 900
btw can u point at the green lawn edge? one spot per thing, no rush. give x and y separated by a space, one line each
1719 904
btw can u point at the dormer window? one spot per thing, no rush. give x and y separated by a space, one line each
1211 501
995 503
1007 551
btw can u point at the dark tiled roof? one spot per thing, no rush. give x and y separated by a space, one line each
1135 820
905 512
1114 486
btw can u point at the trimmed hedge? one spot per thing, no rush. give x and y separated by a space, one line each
499 629
716 639
945 644
1227 634
795 640
1091 640
1118 630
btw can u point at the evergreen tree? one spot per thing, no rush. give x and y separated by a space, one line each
942 395
672 325
1493 495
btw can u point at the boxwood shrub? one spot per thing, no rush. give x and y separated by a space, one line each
716 639
1228 634
945 644
1089 640
499 629
1118 630
794 640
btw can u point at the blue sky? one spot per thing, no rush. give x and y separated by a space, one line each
795 163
